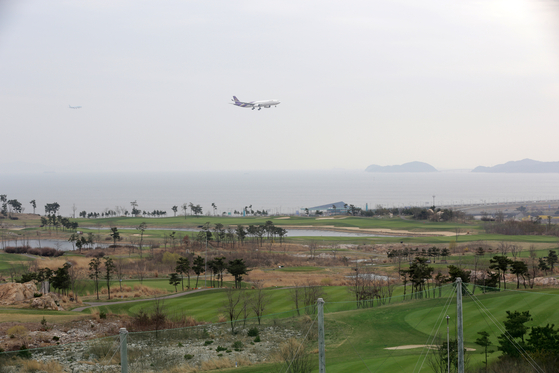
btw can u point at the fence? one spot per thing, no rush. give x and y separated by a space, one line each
202 347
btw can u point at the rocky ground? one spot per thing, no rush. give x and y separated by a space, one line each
188 349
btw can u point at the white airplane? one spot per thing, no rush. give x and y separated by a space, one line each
255 104
74 107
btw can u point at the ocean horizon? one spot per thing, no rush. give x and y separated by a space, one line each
278 192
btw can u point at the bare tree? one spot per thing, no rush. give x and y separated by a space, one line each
75 274
119 270
159 314
233 306
259 300
503 248
311 292
296 295
515 250
313 247
140 271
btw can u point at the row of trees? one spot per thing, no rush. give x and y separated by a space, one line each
62 279
215 267
53 221
10 205
258 232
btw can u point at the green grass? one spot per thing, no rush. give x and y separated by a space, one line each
356 340
343 221
206 305
7 260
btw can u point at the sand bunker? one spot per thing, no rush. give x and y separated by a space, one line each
407 347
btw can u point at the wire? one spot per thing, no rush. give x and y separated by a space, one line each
431 338
354 349
300 344
509 337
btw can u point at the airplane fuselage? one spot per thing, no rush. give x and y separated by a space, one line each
255 104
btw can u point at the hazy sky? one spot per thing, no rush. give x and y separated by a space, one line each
456 84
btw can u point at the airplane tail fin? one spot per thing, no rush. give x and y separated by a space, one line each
235 99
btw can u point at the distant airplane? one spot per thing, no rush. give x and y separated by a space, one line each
74 107
255 104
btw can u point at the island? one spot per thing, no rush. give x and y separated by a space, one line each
406 167
524 166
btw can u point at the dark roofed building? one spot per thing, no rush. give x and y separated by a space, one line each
331 208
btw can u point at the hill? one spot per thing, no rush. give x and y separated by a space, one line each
523 166
406 167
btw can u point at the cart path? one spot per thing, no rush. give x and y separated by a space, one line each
176 295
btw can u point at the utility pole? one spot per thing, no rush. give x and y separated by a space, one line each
123 351
206 262
460 336
321 344
448 343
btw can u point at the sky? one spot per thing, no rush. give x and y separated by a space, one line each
455 84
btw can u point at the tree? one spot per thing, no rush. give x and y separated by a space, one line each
484 342
34 205
52 208
500 263
442 354
313 247
220 267
241 233
259 300
198 266
119 270
514 329
552 259
95 273
175 209
237 268
519 268
183 268
174 280
542 265
214 207
444 253
61 278
184 208
135 211
232 306
109 271
115 234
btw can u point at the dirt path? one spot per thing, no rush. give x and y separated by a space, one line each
97 304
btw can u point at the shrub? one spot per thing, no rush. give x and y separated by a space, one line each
180 345
95 254
219 349
253 332
17 331
24 353
55 338
237 345
207 343
257 339
188 356
102 314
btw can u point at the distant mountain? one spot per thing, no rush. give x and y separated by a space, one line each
406 167
521 167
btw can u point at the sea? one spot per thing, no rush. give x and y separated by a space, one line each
277 192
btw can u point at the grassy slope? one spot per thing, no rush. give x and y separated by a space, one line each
358 338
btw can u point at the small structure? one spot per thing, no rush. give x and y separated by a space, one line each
335 208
